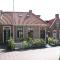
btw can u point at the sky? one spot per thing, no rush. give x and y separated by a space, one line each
45 8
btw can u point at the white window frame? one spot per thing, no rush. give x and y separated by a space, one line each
17 30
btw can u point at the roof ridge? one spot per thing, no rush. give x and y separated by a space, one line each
14 12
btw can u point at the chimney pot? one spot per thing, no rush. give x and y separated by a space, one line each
30 11
57 16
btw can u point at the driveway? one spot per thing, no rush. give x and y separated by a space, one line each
35 54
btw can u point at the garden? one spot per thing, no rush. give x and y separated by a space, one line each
30 43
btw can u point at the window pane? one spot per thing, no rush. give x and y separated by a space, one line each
18 33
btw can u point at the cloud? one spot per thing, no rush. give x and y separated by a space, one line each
46 8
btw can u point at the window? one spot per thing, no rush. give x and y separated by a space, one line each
20 32
57 25
55 34
42 33
59 34
30 33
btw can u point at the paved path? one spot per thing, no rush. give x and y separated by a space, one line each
36 54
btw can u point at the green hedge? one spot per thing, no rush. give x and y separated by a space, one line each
38 43
52 41
25 44
10 44
34 43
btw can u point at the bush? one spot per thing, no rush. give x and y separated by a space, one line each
52 41
10 44
38 43
25 44
43 42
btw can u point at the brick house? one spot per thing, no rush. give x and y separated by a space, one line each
54 27
21 25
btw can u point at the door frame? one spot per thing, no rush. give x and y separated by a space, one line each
8 27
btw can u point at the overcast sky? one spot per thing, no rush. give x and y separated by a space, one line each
46 8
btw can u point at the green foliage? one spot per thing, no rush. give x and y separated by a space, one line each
38 43
34 43
52 41
28 39
43 42
25 44
10 44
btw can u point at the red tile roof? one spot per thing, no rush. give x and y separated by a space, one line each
49 23
21 18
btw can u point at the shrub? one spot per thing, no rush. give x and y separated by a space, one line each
38 43
52 41
25 44
43 42
28 39
10 44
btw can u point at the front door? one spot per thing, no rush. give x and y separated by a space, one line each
6 35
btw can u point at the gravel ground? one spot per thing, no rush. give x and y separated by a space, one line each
35 54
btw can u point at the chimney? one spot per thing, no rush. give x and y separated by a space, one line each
57 16
30 11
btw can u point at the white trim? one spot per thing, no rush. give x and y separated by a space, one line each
4 27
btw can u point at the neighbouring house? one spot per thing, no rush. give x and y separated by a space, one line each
21 25
54 27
